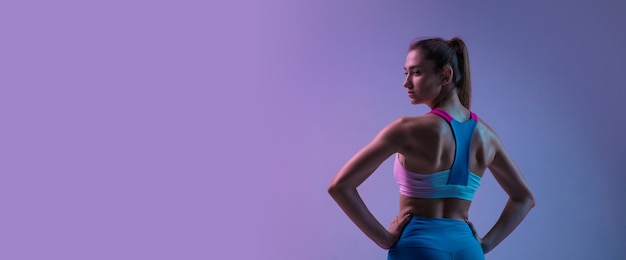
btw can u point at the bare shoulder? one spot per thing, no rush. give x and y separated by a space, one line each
503 167
487 134
415 131
488 143
421 124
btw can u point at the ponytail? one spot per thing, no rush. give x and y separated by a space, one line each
462 79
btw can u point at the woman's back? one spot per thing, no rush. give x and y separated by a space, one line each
431 148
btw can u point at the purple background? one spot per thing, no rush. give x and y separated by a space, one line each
194 130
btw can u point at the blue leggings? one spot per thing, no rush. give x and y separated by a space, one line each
436 239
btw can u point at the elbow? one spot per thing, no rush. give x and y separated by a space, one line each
527 201
531 202
333 188
337 188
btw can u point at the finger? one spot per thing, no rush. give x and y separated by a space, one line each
406 218
469 223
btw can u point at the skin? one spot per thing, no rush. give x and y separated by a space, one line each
425 144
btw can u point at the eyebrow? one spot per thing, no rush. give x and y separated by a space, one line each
414 66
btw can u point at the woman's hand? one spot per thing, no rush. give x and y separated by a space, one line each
396 227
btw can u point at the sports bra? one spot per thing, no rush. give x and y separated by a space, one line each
457 182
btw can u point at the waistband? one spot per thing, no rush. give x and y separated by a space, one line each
438 219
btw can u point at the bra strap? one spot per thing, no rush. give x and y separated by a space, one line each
441 113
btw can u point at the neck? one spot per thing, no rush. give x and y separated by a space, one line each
448 100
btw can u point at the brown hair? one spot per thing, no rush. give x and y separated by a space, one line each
453 53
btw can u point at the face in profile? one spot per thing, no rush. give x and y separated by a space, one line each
422 80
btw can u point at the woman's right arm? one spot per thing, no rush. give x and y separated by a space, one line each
521 199
343 187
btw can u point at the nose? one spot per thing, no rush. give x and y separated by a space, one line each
407 83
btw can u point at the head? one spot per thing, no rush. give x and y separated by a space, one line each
438 70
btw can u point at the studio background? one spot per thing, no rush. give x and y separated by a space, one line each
210 130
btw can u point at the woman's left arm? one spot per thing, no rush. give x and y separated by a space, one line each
343 186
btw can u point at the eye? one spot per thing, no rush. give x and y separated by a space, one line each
416 73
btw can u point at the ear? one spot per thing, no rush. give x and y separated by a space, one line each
446 75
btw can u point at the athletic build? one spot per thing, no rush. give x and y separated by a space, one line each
433 219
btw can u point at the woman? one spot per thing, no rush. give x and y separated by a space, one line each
440 159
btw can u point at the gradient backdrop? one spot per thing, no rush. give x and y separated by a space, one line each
193 130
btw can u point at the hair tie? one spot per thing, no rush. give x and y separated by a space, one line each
454 44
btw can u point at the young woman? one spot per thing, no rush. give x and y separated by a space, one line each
440 158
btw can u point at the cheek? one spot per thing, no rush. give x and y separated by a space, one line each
425 86
429 91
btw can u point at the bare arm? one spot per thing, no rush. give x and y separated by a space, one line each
343 186
521 199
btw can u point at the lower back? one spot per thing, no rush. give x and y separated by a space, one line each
435 208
